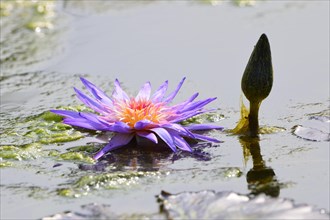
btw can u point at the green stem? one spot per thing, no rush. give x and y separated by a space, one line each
253 119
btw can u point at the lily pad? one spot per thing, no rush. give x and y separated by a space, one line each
96 211
229 205
116 180
205 205
24 152
317 128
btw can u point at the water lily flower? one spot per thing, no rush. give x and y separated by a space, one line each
144 116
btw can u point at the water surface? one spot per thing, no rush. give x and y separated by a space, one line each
156 41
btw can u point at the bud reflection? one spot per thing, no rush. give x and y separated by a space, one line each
260 178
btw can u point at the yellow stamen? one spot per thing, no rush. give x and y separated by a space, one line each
137 110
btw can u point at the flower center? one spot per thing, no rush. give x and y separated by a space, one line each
137 110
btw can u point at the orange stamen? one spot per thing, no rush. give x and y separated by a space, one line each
137 110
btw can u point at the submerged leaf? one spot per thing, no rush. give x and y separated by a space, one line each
6 164
76 156
23 152
109 181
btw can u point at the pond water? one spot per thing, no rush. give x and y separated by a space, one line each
46 167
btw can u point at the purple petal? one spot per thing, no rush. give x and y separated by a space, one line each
66 113
91 117
196 105
80 119
116 141
180 129
149 135
206 138
159 94
165 136
180 142
116 126
144 93
98 94
181 105
175 92
89 102
186 116
121 127
201 127
119 93
142 124
84 123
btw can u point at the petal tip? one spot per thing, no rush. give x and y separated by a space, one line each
98 155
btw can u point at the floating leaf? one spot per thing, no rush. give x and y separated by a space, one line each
229 205
317 128
96 211
115 180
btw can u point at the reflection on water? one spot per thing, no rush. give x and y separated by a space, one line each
140 157
260 178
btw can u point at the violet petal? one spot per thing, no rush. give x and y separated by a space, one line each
180 142
196 105
149 135
116 141
183 104
180 129
165 136
89 101
84 123
206 138
98 94
142 124
66 113
187 115
121 127
144 93
160 92
119 93
175 92
201 127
